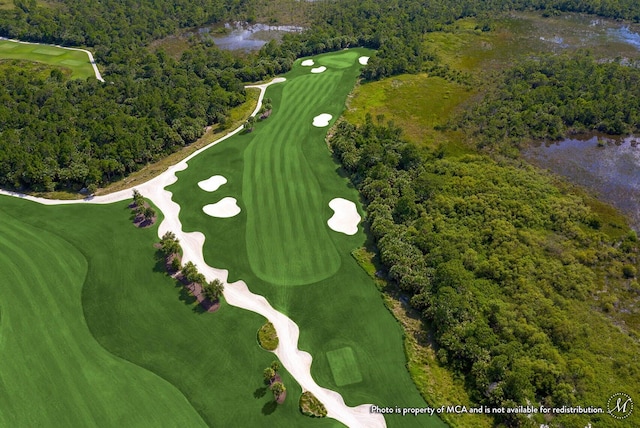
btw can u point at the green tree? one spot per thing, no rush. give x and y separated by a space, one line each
250 123
213 289
278 389
169 244
269 374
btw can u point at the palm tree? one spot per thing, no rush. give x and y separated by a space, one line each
169 244
138 200
249 124
213 290
189 271
149 213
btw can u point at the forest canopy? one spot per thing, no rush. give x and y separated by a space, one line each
552 96
496 257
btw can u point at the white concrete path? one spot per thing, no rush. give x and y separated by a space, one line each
297 362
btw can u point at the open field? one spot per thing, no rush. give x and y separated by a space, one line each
419 103
49 356
201 368
76 61
319 285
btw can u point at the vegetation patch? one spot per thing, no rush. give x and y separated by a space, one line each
267 337
311 406
475 240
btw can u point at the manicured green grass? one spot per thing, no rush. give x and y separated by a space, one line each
335 303
201 368
54 373
344 366
76 61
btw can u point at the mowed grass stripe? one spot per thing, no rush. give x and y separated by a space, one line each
140 314
49 355
284 211
53 371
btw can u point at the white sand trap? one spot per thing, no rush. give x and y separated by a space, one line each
212 184
345 217
322 120
363 60
307 63
227 207
318 69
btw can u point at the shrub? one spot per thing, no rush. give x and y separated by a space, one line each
267 337
311 406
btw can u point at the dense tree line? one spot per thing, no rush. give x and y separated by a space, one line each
493 255
68 135
548 97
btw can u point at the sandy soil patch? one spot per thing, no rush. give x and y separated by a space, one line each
345 217
363 60
318 69
307 63
227 207
322 120
212 184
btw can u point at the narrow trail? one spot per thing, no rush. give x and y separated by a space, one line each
297 362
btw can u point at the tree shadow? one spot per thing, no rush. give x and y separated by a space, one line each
160 265
269 408
185 296
199 309
260 392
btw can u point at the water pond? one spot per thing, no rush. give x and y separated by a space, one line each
609 168
241 36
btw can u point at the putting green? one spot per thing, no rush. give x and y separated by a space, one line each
76 61
283 177
344 367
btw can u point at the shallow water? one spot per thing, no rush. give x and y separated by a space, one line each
245 37
625 35
610 169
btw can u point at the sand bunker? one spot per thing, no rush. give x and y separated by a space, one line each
307 63
212 184
345 217
322 120
318 69
363 60
227 207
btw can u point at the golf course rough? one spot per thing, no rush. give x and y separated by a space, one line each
84 344
283 248
53 371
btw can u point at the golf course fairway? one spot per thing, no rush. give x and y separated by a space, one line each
93 333
283 178
76 60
